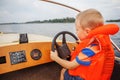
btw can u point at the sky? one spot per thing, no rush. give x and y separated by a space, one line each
30 10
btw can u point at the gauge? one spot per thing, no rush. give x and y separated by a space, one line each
36 54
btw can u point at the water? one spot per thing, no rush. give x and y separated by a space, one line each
47 29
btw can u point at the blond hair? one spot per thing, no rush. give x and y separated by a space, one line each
89 18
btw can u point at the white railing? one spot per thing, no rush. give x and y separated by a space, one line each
116 47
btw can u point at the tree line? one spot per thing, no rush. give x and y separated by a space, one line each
117 20
63 20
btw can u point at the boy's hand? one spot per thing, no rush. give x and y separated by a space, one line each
53 55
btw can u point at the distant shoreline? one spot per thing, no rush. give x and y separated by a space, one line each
117 20
63 20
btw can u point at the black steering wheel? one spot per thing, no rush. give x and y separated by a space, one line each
63 49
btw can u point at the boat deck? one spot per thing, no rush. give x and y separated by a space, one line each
48 71
13 39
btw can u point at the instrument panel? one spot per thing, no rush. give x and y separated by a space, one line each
19 56
16 57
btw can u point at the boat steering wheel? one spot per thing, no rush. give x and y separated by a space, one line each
63 49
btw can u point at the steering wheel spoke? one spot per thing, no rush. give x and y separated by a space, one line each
57 45
63 39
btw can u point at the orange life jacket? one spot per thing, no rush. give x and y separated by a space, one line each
102 63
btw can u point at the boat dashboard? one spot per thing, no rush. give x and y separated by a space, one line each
19 51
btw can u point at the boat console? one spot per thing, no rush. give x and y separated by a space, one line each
25 55
16 55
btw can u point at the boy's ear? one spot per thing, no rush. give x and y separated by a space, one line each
87 30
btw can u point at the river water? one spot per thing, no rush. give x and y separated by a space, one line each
47 29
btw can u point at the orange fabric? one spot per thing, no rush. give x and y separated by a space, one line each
106 29
103 62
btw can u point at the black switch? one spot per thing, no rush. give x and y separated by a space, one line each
2 59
